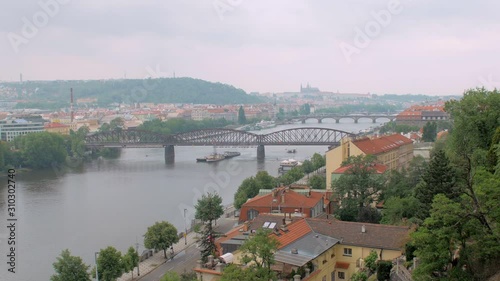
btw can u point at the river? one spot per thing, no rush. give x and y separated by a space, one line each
112 202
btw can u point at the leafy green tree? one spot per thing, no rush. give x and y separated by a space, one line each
42 150
259 251
208 209
189 276
305 109
249 188
70 268
400 211
438 178
371 261
359 276
242 119
109 264
359 185
384 270
281 114
291 176
430 132
317 182
105 127
318 161
116 123
264 180
235 273
307 166
161 236
130 260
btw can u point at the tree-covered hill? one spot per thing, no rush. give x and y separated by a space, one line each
160 90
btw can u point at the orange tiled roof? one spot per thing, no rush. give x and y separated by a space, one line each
295 231
292 199
381 144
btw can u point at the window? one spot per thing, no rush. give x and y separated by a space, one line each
341 275
347 252
324 278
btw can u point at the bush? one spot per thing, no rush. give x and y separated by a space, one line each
384 270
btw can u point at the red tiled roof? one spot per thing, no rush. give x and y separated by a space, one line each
342 265
295 231
381 144
292 199
378 168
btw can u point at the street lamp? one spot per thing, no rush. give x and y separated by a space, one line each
96 269
185 228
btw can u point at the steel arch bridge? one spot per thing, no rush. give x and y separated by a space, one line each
217 137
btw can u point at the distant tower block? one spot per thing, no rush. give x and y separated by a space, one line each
20 77
71 105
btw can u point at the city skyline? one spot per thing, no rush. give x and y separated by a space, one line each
394 47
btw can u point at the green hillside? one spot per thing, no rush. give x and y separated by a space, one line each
162 90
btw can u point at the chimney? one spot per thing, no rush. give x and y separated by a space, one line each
363 229
211 260
72 115
219 267
308 271
245 226
294 251
296 277
283 197
199 264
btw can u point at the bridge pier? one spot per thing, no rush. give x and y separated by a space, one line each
261 152
303 121
320 121
374 120
169 154
337 120
356 121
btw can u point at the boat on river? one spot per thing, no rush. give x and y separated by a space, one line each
231 154
214 157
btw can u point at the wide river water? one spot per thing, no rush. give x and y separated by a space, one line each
112 202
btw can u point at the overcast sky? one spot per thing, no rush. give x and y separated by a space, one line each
419 46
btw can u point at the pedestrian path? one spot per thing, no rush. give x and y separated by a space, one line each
158 258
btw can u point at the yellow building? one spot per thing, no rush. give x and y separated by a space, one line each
394 151
325 249
59 128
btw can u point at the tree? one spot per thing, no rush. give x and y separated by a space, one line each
438 178
70 268
235 273
264 180
384 270
371 261
42 150
241 116
117 123
359 186
307 166
317 182
259 251
291 176
130 260
208 209
161 236
109 264
249 188
400 211
318 161
305 109
359 276
281 114
430 132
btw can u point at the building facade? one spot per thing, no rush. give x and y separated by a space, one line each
12 128
393 151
